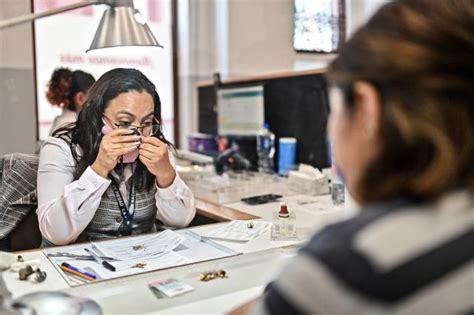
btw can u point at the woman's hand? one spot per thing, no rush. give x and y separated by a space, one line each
154 155
112 147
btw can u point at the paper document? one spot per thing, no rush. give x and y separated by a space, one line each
141 247
239 230
133 255
130 267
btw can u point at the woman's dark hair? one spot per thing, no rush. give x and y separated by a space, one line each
419 56
86 132
65 84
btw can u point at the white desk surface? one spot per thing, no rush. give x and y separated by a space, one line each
248 274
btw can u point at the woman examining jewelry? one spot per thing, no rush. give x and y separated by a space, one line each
110 174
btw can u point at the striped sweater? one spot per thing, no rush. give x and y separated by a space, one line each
17 189
398 258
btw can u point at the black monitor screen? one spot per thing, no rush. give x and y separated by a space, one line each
295 106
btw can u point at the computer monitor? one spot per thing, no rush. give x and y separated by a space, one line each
240 110
294 106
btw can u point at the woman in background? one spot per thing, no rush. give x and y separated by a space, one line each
68 90
402 126
110 173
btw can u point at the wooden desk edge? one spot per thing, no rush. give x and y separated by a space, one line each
262 77
221 213
208 209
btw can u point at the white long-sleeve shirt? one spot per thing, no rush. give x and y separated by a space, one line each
67 116
66 206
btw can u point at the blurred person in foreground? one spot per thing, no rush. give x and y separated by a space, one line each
402 126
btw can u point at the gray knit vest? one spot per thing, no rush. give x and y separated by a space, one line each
108 219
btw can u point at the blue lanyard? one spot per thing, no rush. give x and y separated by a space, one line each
126 212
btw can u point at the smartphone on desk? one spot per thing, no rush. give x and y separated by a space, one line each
260 199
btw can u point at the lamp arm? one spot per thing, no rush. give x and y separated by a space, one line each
34 16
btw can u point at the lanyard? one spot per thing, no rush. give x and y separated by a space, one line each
126 212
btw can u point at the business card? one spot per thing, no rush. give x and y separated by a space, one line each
169 287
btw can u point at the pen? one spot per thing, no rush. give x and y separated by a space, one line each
104 263
76 271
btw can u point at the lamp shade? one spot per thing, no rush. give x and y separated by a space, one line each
122 26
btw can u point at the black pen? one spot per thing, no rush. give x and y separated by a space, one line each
104 263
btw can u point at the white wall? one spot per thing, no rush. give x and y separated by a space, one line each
240 38
261 39
17 99
197 56
260 35
234 37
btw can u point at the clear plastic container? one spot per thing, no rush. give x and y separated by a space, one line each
233 186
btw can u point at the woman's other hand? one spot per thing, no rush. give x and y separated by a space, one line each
112 147
154 155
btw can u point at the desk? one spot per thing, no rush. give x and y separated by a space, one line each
248 273
221 212
241 211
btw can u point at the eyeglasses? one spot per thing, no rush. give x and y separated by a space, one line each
147 130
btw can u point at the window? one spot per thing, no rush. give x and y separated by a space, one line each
319 25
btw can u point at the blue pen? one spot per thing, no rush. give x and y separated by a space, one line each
79 270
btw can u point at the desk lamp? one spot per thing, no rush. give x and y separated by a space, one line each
121 24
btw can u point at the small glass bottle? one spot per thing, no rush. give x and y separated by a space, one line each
337 187
284 225
337 183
